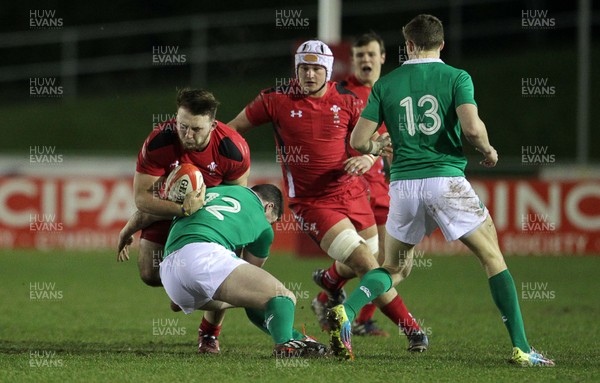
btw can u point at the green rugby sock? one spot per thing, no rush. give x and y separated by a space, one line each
279 318
257 317
373 284
504 294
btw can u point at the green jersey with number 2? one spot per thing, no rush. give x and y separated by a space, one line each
233 217
418 102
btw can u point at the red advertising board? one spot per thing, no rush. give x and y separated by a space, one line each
67 212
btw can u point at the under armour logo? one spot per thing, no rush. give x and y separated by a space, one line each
294 113
335 109
174 165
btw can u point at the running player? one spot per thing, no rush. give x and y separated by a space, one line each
222 156
368 55
429 104
312 118
202 272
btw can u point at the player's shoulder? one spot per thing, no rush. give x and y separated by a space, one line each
230 143
343 89
290 90
453 70
162 136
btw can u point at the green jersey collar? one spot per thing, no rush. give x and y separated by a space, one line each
423 61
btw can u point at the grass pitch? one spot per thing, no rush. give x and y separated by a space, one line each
72 316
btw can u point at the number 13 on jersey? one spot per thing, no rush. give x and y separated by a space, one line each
431 120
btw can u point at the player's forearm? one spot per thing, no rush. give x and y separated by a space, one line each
361 138
360 141
478 137
138 221
157 207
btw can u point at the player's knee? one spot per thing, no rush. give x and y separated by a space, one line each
399 271
150 277
283 292
344 244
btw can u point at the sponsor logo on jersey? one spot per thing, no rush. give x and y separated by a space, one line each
294 113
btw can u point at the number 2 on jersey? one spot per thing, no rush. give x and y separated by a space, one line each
217 209
432 113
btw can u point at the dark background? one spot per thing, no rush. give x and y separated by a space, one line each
111 113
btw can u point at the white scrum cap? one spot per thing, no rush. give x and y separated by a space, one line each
317 53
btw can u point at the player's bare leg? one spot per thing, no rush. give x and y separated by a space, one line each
398 259
378 283
253 288
360 258
364 324
149 259
381 232
483 241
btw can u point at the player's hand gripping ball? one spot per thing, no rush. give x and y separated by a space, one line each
182 180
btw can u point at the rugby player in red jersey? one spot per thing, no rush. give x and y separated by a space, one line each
223 157
312 118
368 55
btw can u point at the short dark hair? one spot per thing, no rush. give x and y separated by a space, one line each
366 38
270 193
198 102
426 31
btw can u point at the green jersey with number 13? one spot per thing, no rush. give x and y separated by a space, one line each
418 102
233 217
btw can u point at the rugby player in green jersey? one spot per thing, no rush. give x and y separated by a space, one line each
202 272
425 105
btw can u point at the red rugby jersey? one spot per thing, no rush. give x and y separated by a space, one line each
311 135
226 158
376 173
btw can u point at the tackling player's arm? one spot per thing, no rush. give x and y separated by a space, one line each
475 132
252 259
257 252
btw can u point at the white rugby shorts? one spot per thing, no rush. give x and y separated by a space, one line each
419 206
192 274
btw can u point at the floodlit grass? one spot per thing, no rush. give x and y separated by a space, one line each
73 316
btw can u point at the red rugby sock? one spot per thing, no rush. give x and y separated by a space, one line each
208 328
332 280
322 297
399 314
366 313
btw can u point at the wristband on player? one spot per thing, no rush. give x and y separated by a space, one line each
375 148
185 213
370 157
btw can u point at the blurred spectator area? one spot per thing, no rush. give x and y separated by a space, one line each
118 76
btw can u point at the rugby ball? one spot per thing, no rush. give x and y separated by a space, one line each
182 180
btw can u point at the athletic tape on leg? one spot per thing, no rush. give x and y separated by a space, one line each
344 244
373 244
